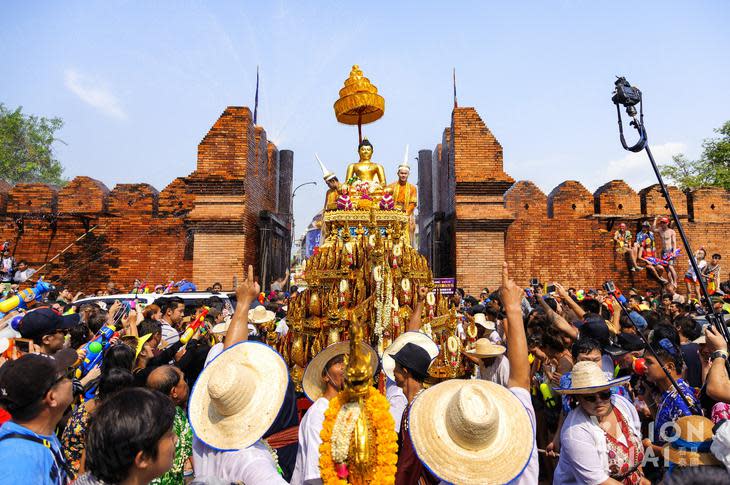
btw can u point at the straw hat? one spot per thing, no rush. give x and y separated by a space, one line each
588 378
237 396
418 338
312 382
481 319
260 315
484 348
471 432
220 328
691 446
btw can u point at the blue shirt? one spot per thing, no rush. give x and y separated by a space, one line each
25 461
671 407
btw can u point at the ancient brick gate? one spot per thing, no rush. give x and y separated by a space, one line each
204 227
473 216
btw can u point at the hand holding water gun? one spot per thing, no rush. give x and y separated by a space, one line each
24 297
94 349
194 326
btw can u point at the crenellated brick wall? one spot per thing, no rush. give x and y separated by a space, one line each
481 217
203 227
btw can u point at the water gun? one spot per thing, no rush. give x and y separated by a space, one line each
169 287
22 299
195 325
95 348
548 395
639 366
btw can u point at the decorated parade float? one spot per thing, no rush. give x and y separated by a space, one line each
362 283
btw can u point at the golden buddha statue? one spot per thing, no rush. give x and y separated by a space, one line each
365 169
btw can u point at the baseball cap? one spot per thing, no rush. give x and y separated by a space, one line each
630 342
414 358
594 326
665 220
26 380
44 321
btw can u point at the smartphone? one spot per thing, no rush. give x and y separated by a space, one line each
534 282
23 345
609 286
550 289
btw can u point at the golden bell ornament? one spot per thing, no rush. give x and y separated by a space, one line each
359 101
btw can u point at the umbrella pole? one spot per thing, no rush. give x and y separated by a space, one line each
359 128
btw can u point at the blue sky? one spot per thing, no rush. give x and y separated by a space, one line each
140 83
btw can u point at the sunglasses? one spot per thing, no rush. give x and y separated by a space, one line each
604 395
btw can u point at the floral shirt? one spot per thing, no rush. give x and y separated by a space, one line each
671 407
183 451
73 440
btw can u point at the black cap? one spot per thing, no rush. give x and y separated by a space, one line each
414 358
44 321
26 380
594 326
630 342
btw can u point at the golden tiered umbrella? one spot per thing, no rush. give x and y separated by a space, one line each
359 101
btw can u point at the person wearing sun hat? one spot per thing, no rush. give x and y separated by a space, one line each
323 378
235 400
491 363
588 453
690 445
478 432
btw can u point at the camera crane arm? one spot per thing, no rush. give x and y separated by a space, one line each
629 96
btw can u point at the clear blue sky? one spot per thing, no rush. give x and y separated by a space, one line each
140 83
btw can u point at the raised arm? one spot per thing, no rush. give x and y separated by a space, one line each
718 383
414 324
569 301
557 320
511 296
245 295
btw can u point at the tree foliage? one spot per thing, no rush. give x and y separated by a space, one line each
26 148
711 169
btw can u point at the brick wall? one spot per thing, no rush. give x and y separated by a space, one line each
202 227
564 236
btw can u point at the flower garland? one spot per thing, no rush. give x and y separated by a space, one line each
377 410
342 431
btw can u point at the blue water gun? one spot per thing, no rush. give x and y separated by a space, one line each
95 349
23 297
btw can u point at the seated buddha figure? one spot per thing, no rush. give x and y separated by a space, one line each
366 170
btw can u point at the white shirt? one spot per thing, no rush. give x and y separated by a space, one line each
169 334
252 465
398 401
583 450
306 469
497 371
22 276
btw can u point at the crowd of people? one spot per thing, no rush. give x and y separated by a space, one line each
563 385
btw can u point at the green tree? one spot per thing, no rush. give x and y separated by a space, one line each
26 148
712 168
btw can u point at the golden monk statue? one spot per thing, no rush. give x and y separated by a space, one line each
365 169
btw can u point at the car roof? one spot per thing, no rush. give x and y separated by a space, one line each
189 295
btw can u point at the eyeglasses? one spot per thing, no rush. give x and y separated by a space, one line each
604 395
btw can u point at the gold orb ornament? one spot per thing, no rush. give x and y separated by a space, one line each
359 101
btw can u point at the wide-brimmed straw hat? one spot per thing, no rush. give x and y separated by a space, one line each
260 315
588 378
691 446
484 349
417 338
237 396
471 432
481 319
220 328
312 382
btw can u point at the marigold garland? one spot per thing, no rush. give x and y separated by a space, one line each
377 409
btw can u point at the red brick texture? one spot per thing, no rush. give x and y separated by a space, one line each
565 236
202 227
